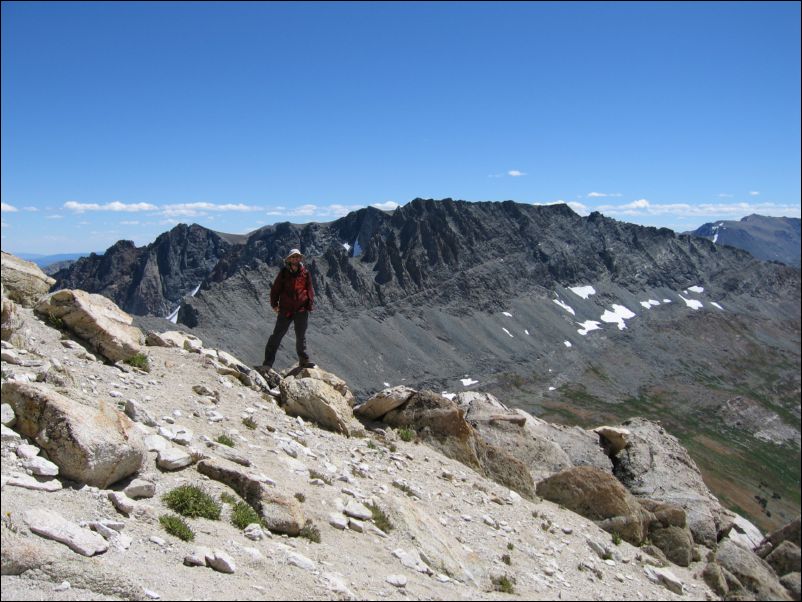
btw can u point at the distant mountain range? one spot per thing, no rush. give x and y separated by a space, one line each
583 320
767 238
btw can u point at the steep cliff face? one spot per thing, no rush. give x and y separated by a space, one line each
149 280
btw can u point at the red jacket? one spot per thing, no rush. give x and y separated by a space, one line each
292 292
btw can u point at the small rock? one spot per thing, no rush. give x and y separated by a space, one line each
28 482
140 488
173 459
301 561
338 521
26 452
356 510
356 525
62 587
396 580
8 416
254 532
51 525
221 562
41 467
122 503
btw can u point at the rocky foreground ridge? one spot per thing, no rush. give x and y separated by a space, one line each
407 494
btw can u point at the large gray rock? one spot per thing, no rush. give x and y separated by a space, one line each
598 496
282 514
441 423
752 572
93 446
383 402
518 433
315 399
785 558
581 447
23 281
96 320
793 583
655 465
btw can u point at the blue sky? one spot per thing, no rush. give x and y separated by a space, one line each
120 120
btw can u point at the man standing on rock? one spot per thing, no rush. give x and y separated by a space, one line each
292 298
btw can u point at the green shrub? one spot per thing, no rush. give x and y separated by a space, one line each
616 538
55 322
380 519
140 360
225 440
310 532
191 501
243 515
506 559
300 497
504 584
227 498
249 422
176 526
407 434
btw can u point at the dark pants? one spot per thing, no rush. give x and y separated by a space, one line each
301 320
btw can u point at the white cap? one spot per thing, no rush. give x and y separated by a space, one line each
294 252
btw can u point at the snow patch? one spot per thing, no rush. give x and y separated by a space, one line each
508 332
173 317
447 395
692 303
617 316
565 306
666 300
714 304
715 238
386 384
526 331
346 246
506 313
467 382
567 343
552 388
583 291
649 303
696 289
195 292
587 326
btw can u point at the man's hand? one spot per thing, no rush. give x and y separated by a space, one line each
275 309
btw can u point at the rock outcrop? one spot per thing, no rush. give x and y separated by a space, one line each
96 320
24 282
654 465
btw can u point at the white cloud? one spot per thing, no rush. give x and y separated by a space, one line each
724 195
113 206
129 223
754 192
200 208
515 173
643 207
386 206
603 194
54 216
8 208
579 208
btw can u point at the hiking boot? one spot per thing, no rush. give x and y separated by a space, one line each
264 370
307 364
